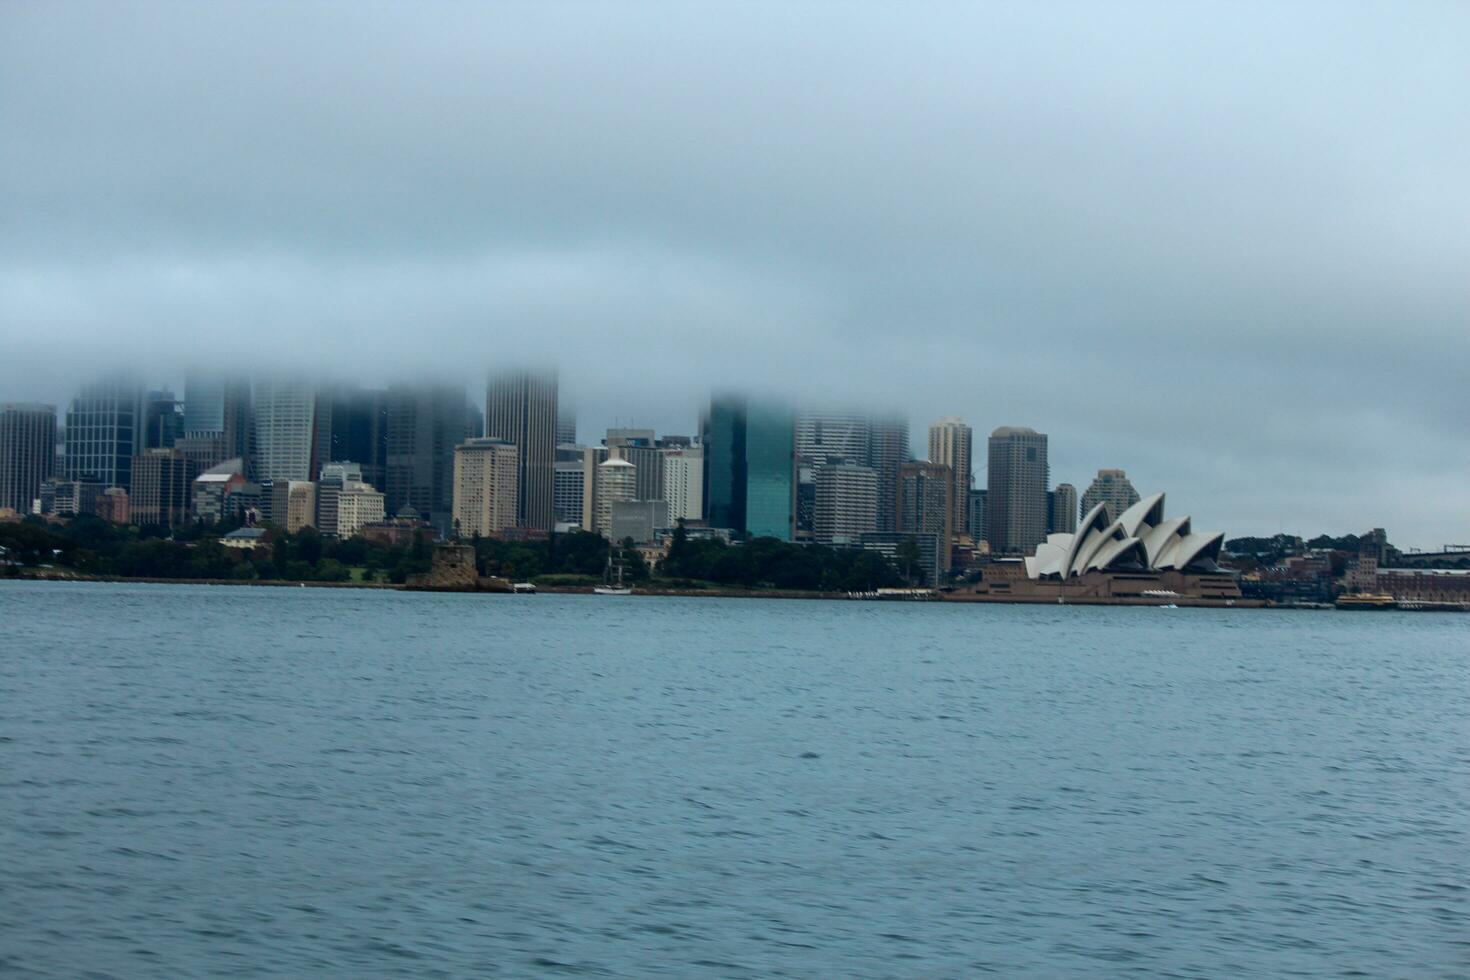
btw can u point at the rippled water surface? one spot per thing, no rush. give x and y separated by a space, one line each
304 782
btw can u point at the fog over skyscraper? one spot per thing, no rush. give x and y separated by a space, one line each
285 426
521 408
102 429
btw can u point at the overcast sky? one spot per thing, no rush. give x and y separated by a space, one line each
1226 248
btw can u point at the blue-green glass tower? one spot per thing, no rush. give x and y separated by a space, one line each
750 467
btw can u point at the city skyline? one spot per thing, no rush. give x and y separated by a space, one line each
1234 223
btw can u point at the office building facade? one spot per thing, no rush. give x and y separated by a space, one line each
750 467
1015 519
846 502
521 408
102 432
27 453
1111 487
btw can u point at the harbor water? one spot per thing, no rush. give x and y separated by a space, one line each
248 781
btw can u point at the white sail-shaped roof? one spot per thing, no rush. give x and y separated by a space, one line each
1140 537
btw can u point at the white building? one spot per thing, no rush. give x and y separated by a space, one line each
617 479
684 483
485 486
357 504
846 502
285 415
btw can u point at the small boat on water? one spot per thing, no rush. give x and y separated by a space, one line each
612 577
1366 600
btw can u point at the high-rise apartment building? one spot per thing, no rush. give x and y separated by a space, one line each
1015 501
684 483
950 443
847 502
1111 487
521 408
161 488
103 432
924 505
285 430
485 487
27 452
1062 517
750 467
617 479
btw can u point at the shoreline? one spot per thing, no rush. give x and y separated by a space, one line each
646 592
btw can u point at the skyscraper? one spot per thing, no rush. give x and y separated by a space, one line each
163 420
847 502
1015 500
684 483
750 467
570 484
102 432
1113 488
285 429
520 408
1062 518
424 423
27 452
888 450
161 487
950 443
359 429
485 487
217 407
566 425
617 479
822 435
924 506
639 447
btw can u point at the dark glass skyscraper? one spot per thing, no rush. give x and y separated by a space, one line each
103 427
521 409
424 424
27 452
750 467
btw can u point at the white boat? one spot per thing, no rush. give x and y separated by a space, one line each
612 577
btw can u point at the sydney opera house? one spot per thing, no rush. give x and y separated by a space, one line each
1139 557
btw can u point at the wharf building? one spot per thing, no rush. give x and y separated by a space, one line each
521 409
847 502
1110 487
103 426
27 453
924 505
486 487
1015 498
950 443
750 467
